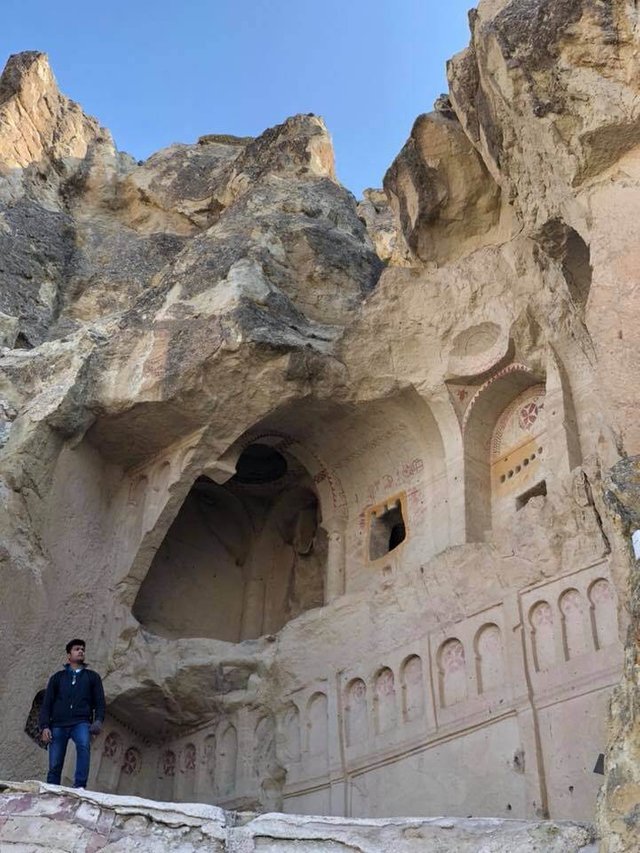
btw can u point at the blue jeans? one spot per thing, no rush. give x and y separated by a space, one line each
79 734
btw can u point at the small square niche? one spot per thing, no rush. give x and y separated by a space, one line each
386 530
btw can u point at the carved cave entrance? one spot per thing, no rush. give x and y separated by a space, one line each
240 559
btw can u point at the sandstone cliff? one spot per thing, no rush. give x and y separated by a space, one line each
162 320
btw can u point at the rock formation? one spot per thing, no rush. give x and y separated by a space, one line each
71 821
341 495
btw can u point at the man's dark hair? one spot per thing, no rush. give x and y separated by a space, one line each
73 643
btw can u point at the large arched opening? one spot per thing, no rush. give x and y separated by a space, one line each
241 558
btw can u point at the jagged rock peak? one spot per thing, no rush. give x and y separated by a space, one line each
301 146
444 199
36 121
29 68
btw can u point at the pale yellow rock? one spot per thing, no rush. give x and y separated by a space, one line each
37 123
446 201
343 512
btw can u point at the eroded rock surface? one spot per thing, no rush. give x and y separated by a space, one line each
445 199
341 495
33 816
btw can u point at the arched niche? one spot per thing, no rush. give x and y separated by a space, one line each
226 760
129 782
413 688
356 712
543 640
385 702
110 762
518 442
291 734
452 673
489 648
242 557
604 617
495 439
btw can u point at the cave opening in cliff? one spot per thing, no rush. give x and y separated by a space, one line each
564 244
241 558
576 266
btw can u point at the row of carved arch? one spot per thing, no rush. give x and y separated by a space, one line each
574 624
218 760
584 629
586 623
395 699
388 708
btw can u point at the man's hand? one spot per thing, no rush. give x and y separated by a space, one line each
95 728
45 734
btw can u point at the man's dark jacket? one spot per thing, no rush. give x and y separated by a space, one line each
66 704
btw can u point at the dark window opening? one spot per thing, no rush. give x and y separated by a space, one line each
397 535
260 463
540 489
387 531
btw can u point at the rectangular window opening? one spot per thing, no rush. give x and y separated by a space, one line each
387 530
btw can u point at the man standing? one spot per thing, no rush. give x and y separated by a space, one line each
73 707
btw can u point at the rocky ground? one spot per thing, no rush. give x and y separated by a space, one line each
34 816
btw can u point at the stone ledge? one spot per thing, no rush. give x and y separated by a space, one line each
35 816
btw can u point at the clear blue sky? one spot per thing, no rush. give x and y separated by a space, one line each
161 72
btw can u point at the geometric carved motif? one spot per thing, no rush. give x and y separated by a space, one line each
528 415
519 421
189 758
516 442
111 745
168 763
132 761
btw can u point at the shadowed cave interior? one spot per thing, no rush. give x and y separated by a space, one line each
240 559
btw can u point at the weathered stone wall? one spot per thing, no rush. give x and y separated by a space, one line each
422 611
